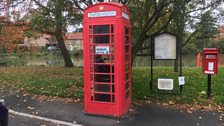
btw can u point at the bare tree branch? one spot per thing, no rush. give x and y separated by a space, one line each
77 5
206 7
190 37
161 28
41 5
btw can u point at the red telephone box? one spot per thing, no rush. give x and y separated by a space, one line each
210 60
107 59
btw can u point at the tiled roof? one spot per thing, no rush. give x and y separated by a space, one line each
47 36
221 29
74 35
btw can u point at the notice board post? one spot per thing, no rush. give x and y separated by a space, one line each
163 47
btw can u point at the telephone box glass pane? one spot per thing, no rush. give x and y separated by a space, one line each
91 39
102 68
102 88
91 77
113 98
112 58
126 39
101 39
126 30
90 30
112 78
102 78
106 58
127 94
112 39
127 57
103 97
101 29
112 28
127 85
126 49
99 59
91 58
91 49
127 67
112 49
91 68
92 96
102 58
127 76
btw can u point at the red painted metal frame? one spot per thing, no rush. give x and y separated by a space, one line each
122 78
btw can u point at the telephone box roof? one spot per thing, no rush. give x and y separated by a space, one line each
106 3
106 9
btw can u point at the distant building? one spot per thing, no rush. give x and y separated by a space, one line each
39 42
74 41
220 34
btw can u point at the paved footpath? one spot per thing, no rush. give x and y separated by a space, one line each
154 115
26 111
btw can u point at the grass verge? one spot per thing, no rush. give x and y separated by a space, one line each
68 83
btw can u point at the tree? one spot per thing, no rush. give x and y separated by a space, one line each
149 17
155 17
179 21
49 16
53 19
220 46
11 34
207 29
198 13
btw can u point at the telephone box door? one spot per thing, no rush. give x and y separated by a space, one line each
107 59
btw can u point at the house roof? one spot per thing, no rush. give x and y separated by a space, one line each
74 35
221 29
47 36
4 19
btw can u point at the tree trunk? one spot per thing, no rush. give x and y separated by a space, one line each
64 51
140 40
59 36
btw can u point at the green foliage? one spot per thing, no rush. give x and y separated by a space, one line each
220 45
207 29
177 16
191 48
40 22
44 18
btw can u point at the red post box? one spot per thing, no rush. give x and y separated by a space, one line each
107 59
210 60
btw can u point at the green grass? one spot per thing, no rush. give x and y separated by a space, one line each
68 83
49 81
195 87
8 55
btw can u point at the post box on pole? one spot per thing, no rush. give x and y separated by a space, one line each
210 65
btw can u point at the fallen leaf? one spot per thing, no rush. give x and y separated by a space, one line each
31 108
